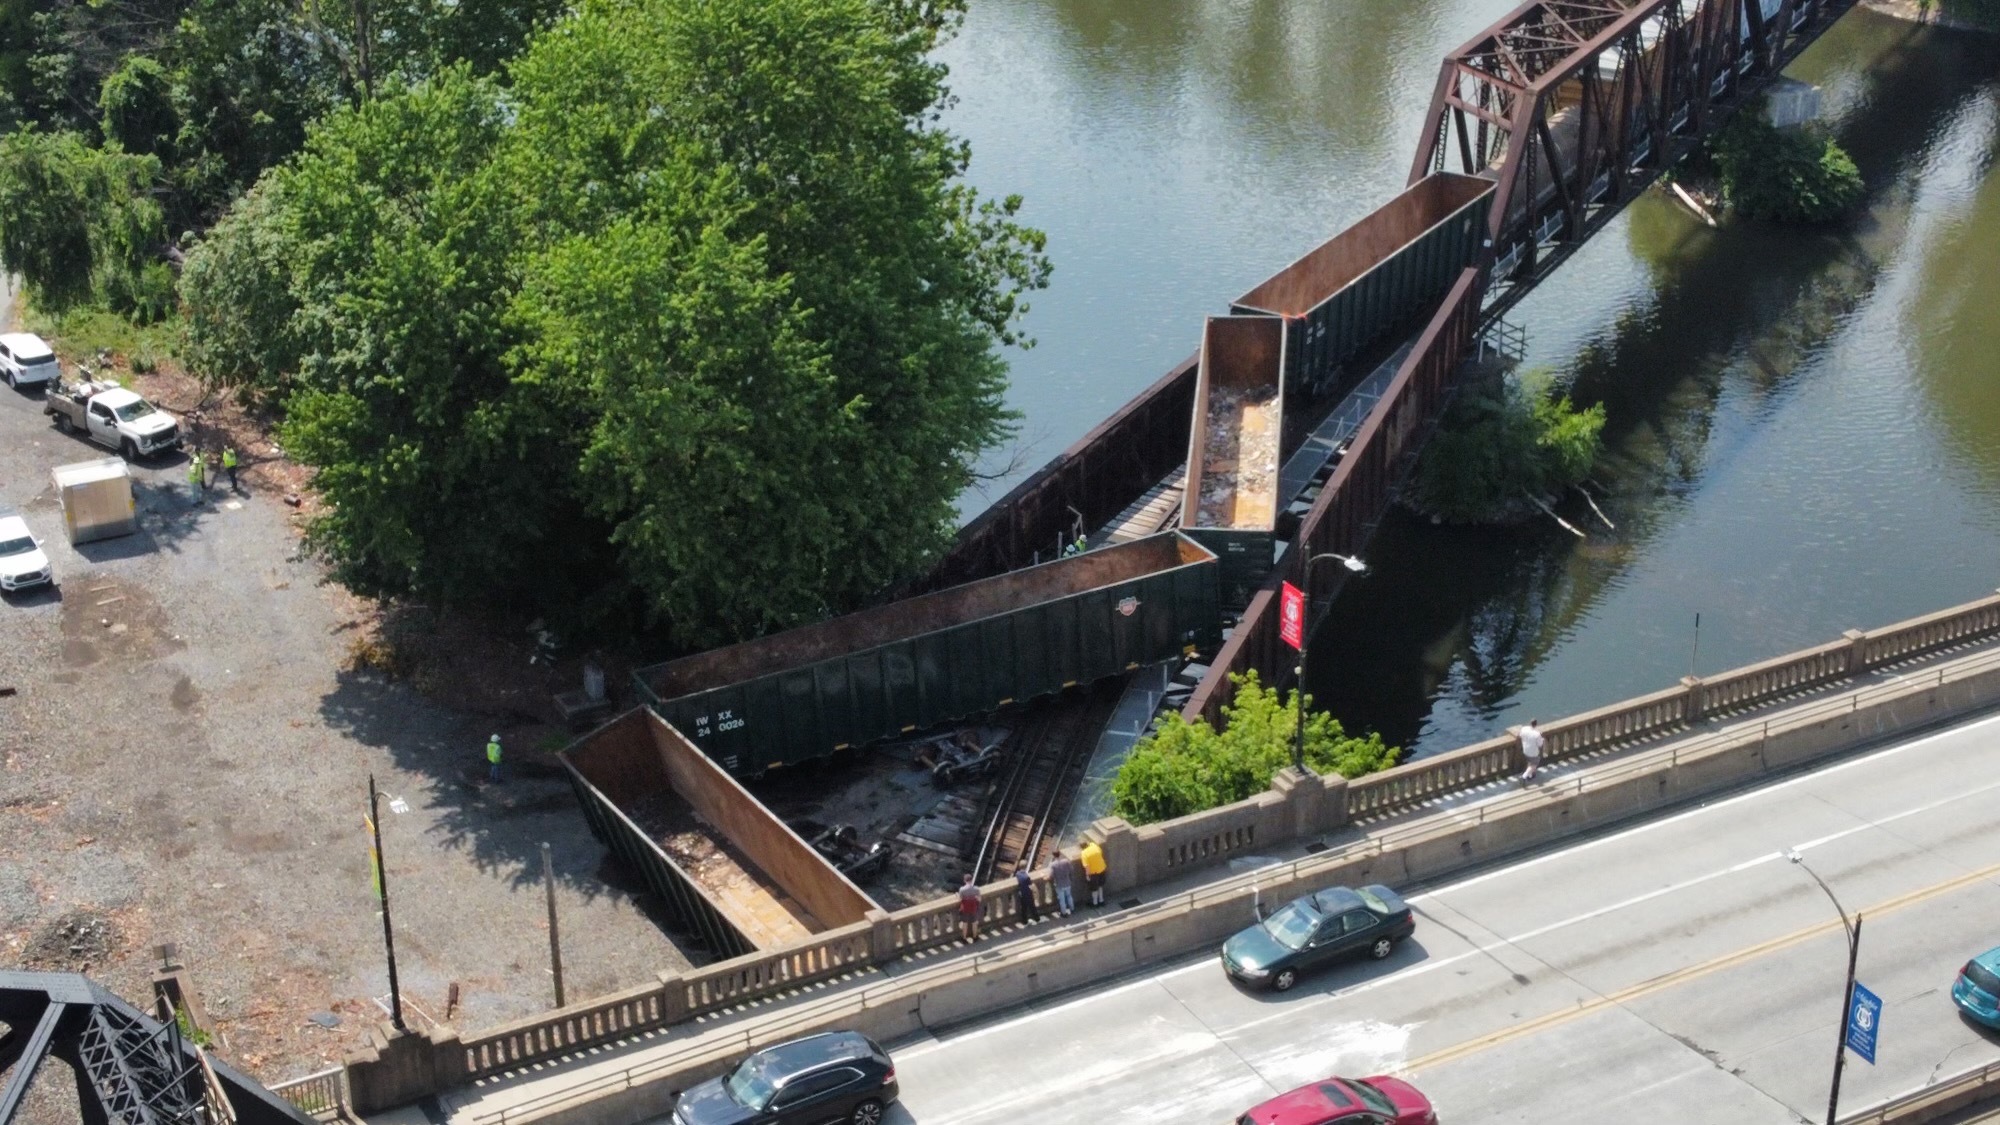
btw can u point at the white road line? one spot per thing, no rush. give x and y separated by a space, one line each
1207 966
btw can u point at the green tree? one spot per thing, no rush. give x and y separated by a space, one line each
238 326
80 223
1181 767
693 321
138 107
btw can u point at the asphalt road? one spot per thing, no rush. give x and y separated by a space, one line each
1683 970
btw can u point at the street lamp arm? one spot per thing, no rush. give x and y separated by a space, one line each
1846 924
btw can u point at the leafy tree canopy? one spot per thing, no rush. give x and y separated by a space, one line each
81 224
694 320
220 90
1180 767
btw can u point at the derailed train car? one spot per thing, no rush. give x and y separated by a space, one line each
802 694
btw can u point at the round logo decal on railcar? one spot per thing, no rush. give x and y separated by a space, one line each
1128 606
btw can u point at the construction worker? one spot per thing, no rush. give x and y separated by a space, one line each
493 758
229 465
197 483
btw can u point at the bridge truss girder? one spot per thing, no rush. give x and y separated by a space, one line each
1573 107
129 1068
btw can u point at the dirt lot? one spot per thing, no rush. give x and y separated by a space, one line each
186 760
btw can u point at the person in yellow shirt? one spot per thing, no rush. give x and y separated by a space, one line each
1092 858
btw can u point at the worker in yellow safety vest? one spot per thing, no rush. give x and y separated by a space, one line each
229 464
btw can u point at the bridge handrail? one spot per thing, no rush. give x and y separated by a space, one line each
321 1093
1930 1102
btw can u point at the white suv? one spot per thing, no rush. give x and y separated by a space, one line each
25 360
22 563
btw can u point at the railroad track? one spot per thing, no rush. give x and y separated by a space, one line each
1034 795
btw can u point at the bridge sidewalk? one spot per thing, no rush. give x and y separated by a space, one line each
513 1097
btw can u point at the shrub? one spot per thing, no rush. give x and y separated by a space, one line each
1181 767
1787 176
1503 443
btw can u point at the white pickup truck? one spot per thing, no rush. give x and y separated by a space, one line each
114 417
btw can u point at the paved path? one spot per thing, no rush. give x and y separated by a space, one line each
1682 970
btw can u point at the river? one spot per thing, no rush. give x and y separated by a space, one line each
1803 426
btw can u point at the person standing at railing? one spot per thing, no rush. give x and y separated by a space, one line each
1092 858
1024 893
1531 749
968 909
1062 875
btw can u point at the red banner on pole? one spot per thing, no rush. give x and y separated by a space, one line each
1292 616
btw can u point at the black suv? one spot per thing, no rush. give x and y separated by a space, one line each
838 1076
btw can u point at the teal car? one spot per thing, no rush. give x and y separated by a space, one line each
1977 989
1310 932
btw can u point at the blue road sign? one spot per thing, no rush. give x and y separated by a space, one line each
1864 1019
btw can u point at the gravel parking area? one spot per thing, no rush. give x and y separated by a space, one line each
185 759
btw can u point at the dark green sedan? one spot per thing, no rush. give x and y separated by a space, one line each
1307 933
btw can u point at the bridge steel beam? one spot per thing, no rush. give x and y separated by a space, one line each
1573 107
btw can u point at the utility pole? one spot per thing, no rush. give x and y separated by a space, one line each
382 894
1846 1006
555 935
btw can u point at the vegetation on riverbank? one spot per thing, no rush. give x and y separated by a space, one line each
1797 175
1504 445
1181 767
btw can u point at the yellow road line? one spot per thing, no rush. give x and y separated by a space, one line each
1692 972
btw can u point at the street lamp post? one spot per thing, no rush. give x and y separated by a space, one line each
1853 932
1305 638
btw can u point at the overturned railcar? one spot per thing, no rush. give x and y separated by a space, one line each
802 694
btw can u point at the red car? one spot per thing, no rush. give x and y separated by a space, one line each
1346 1101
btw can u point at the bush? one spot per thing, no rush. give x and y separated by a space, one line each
1502 444
1786 176
1182 767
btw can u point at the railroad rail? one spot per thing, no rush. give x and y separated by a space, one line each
1038 788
